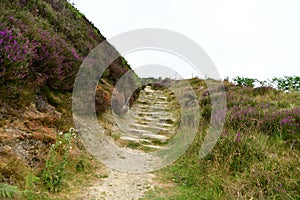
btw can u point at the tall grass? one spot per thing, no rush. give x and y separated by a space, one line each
256 157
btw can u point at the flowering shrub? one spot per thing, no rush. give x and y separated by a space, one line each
269 121
17 53
286 122
56 60
45 56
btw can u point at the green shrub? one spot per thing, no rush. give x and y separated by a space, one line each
288 83
241 81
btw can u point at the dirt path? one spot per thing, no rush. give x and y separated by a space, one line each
149 127
120 186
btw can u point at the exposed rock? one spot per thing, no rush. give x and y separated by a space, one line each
25 140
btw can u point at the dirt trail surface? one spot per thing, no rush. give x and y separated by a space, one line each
151 124
118 185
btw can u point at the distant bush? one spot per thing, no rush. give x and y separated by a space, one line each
241 81
288 83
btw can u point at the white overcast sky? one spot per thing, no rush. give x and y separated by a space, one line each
251 38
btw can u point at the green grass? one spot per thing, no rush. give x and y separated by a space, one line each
258 167
8 191
246 163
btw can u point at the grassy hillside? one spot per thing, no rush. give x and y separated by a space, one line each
42 45
256 157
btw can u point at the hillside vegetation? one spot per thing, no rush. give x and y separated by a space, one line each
256 157
42 45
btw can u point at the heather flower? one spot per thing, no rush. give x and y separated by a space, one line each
238 135
3 33
14 62
286 121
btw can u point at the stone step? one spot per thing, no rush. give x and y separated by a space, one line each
153 113
137 131
163 98
136 140
167 120
144 102
159 106
160 124
161 138
148 89
154 124
145 118
152 146
147 127
162 102
141 106
161 113
151 107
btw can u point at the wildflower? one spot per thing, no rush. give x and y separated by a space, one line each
238 137
3 33
286 120
60 133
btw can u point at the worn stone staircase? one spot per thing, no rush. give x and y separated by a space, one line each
150 123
